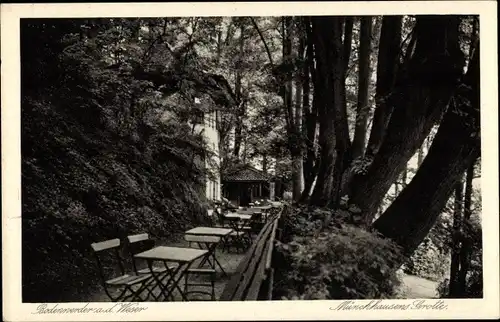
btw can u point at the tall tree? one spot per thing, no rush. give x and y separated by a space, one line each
456 239
362 109
455 147
388 57
298 155
310 114
466 245
327 38
418 101
240 113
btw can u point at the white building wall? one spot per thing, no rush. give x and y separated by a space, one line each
209 128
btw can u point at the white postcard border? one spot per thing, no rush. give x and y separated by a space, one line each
14 310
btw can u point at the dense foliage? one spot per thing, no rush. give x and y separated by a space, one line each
332 260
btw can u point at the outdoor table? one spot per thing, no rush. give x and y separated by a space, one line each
262 215
247 211
238 222
205 236
209 231
184 257
238 215
263 207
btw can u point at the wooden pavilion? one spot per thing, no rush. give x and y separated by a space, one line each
245 184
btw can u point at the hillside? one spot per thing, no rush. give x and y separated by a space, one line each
97 163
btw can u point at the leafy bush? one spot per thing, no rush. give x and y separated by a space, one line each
473 287
302 221
334 262
428 261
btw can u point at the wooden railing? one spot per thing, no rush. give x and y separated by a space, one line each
253 279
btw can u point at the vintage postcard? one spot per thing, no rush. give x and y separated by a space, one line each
250 161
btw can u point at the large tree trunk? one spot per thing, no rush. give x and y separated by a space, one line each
327 32
456 146
343 147
362 110
455 251
298 155
346 55
389 50
466 248
240 113
346 46
419 98
310 117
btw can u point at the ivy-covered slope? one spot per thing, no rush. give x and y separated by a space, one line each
98 160
82 185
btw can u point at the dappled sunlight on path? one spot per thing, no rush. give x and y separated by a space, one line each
417 287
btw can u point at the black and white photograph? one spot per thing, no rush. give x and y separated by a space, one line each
252 158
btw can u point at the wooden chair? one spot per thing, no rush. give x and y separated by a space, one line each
140 243
256 223
220 219
200 271
128 285
238 237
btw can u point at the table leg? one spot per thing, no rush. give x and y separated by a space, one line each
156 277
212 248
206 258
168 293
176 281
214 258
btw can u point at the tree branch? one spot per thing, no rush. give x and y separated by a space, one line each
263 41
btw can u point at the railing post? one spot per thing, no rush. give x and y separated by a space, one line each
270 281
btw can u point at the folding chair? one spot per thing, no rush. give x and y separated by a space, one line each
221 220
210 243
125 283
212 217
238 236
140 243
256 223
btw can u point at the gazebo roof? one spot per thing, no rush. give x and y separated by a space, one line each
245 173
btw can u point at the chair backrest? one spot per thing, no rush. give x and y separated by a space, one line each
137 238
138 244
112 247
257 220
201 239
220 217
233 222
105 245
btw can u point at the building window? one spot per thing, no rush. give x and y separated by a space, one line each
211 119
199 117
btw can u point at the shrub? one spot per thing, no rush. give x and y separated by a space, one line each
428 261
339 263
473 287
301 221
